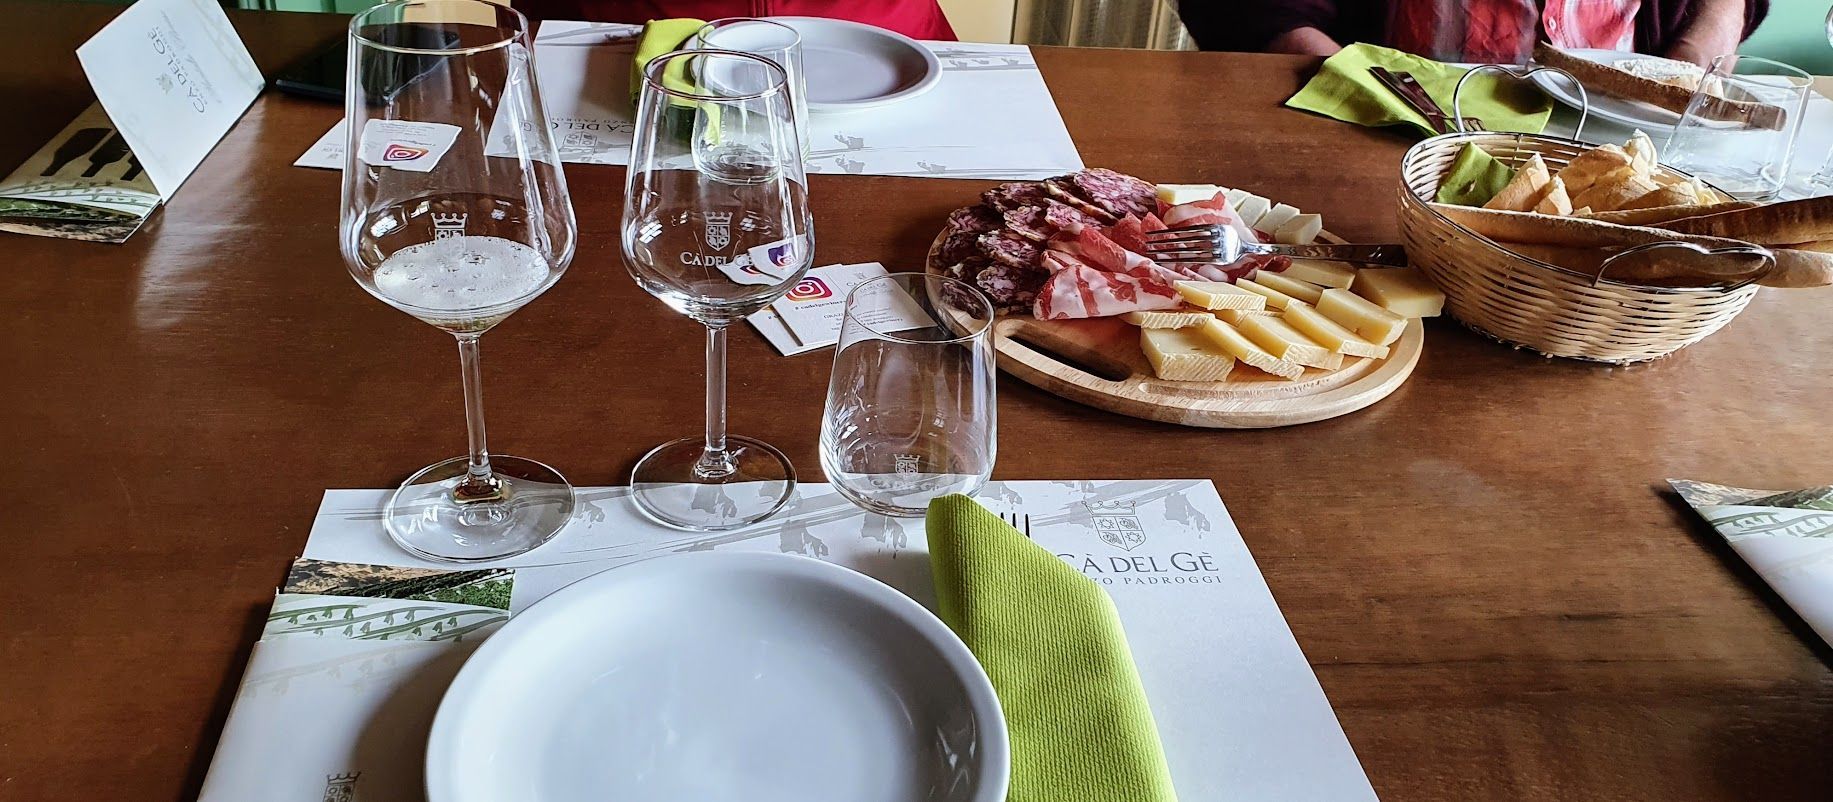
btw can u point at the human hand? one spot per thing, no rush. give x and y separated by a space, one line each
1306 41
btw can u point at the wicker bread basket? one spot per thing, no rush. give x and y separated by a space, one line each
1528 302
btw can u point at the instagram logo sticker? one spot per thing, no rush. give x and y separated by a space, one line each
397 152
782 255
810 289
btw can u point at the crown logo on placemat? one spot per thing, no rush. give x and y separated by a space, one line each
341 787
1116 524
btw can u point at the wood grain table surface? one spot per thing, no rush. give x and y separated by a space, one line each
1498 594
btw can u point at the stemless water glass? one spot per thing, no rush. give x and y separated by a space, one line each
772 40
455 211
716 225
911 411
1744 149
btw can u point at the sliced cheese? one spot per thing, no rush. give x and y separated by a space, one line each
1330 334
1175 194
1235 316
1290 344
1166 318
1219 295
1275 298
1320 272
1238 345
1403 291
1300 230
1276 217
1362 316
1185 355
1253 207
1235 197
1302 290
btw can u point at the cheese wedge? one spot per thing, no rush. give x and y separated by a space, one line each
1285 342
1253 207
1166 318
1362 316
1405 292
1235 197
1243 349
1185 355
1174 194
1235 316
1302 290
1320 272
1219 295
1300 230
1330 334
1276 217
1275 298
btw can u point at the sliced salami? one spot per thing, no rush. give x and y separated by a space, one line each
1006 248
974 218
1116 193
1012 196
1064 191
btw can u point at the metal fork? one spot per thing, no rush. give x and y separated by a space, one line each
1412 93
1221 245
1017 521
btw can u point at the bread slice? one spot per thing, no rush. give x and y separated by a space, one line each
1605 79
1525 189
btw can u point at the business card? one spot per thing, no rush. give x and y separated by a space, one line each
809 315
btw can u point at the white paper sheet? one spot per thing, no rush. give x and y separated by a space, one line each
1789 545
174 77
990 116
1240 712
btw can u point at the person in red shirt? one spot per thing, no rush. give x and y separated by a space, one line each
917 19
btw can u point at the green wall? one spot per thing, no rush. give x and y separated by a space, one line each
1795 32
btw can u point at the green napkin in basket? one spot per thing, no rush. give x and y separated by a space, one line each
1052 644
1344 89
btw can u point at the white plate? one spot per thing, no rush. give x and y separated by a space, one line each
714 676
1650 118
851 66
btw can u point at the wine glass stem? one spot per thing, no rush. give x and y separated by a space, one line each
479 484
715 461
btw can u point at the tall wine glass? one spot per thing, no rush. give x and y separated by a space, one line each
715 224
455 211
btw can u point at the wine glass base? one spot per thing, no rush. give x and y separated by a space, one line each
667 487
424 518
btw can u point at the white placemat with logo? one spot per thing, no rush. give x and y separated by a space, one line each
990 116
1240 712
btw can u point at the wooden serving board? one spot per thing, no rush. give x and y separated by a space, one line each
1098 362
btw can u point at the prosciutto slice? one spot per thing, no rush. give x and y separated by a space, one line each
1217 211
1078 289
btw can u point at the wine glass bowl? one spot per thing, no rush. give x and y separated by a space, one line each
455 211
716 225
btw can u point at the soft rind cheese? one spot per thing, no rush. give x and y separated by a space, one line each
1185 355
1290 344
1362 316
1275 298
1244 350
1317 271
1302 290
1330 334
1300 230
1404 291
1219 295
1166 318
1175 194
1277 216
1235 316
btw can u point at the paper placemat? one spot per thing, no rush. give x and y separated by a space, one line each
1240 712
990 116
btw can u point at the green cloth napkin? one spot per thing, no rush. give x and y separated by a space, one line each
1051 641
1475 177
663 36
1344 89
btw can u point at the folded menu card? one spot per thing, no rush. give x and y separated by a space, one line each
170 78
990 116
1785 536
1239 712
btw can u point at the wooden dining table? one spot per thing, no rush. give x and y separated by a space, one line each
1487 571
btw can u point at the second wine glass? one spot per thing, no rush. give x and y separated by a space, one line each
716 225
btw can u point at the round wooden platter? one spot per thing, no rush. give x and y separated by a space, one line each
1098 362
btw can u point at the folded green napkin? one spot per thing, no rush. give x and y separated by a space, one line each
1052 644
663 36
1344 89
1475 177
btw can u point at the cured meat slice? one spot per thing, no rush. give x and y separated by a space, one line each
1077 289
1013 195
1116 193
1129 233
1029 222
1214 211
1097 250
1010 288
1007 248
974 218
1064 191
959 246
